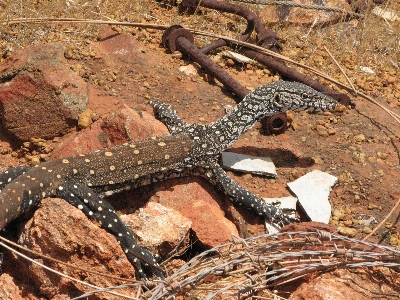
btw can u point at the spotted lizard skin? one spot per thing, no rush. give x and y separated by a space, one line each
190 149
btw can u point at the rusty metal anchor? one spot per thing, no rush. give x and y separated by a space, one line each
178 38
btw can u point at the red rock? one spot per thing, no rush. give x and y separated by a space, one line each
62 232
199 203
130 125
8 289
40 96
158 228
120 46
123 125
345 284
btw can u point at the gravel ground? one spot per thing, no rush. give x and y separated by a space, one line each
360 145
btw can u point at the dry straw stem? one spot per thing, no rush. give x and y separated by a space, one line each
341 69
382 222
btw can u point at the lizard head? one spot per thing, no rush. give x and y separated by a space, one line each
294 95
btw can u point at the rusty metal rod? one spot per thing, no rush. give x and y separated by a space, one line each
268 38
178 38
211 68
271 125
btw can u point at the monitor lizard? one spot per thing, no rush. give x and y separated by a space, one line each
190 149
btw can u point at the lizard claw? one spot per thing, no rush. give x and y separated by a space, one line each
143 260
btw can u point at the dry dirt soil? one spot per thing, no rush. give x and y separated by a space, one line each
359 145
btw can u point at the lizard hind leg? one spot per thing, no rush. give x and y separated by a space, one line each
100 210
243 197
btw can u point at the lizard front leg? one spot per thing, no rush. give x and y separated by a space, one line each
169 117
242 197
98 209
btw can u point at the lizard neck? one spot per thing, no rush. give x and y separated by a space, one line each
243 117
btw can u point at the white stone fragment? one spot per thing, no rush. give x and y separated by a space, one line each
188 70
312 190
248 163
239 57
367 220
388 14
285 203
156 226
367 70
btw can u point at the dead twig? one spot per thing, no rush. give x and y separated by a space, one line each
382 222
341 69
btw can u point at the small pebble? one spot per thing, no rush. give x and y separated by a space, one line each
340 108
348 222
338 213
389 225
359 138
391 79
35 161
394 240
382 155
318 160
177 55
374 206
334 222
347 231
85 118
247 177
367 230
322 131
230 62
331 131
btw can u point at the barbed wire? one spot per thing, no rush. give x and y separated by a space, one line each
248 267
306 6
245 267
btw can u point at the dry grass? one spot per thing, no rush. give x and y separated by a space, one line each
370 41
372 38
